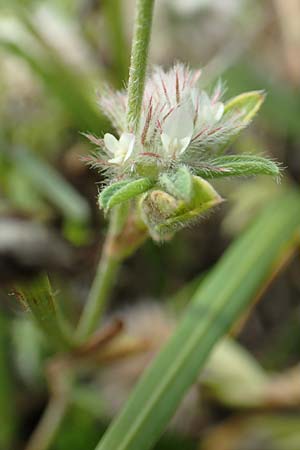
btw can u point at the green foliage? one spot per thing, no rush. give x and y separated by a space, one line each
220 300
49 183
8 415
179 185
238 165
187 197
59 78
139 60
122 191
246 105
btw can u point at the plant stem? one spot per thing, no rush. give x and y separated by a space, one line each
51 420
104 280
138 63
113 253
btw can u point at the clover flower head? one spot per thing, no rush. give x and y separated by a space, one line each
179 144
179 122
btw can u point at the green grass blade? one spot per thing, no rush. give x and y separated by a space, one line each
64 84
115 28
223 296
52 185
39 299
8 416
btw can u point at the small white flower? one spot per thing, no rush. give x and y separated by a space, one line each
177 131
209 112
120 149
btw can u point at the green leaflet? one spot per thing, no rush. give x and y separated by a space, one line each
238 165
222 297
246 104
122 191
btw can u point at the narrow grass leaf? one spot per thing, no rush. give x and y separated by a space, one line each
52 185
221 299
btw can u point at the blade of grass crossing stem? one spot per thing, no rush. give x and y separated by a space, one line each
216 305
39 299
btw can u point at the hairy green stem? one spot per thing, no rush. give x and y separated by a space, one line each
138 63
113 254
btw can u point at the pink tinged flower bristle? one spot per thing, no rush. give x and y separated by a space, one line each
196 111
217 94
94 140
185 77
96 161
167 115
195 77
147 123
165 92
215 130
177 88
151 154
199 134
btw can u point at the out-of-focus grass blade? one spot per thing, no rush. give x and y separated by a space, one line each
115 28
38 297
8 417
223 296
63 82
52 185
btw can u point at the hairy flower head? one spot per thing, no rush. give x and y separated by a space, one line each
179 123
180 142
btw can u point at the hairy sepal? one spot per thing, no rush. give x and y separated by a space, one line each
241 109
164 213
180 184
245 105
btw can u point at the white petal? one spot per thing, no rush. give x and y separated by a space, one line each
116 160
165 142
204 112
218 111
179 124
127 140
184 143
130 150
111 143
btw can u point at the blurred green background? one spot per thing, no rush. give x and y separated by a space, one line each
54 57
